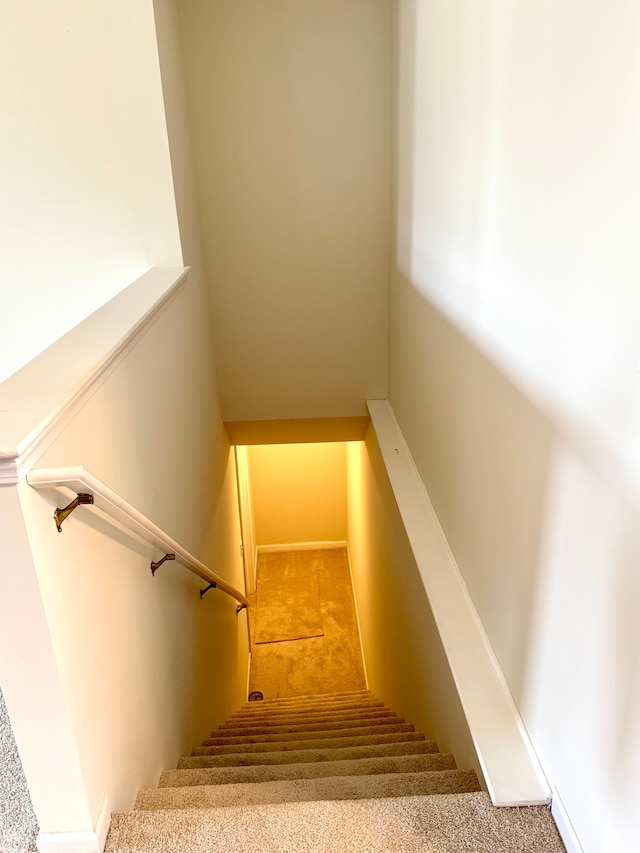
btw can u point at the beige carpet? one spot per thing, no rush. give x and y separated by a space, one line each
304 775
330 663
288 601
439 824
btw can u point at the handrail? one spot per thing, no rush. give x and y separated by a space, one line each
79 480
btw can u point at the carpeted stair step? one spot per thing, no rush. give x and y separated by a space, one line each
307 727
316 743
306 790
248 716
304 718
311 770
256 709
446 823
313 699
244 759
313 734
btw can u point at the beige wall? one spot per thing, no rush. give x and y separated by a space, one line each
299 492
85 188
289 106
513 359
146 667
406 664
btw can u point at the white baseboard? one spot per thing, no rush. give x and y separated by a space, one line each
68 842
565 827
103 822
355 604
300 546
78 842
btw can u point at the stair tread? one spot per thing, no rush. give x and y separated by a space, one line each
309 697
268 772
304 718
302 790
253 759
314 743
314 734
272 708
447 823
355 723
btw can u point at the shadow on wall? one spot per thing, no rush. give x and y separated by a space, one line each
406 663
542 521
483 452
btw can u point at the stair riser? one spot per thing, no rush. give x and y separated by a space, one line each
259 713
315 734
293 719
307 790
303 756
311 725
363 767
326 743
307 727
265 705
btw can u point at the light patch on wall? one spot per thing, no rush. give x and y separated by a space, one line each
299 492
518 196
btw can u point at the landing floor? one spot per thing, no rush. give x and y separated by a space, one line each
300 594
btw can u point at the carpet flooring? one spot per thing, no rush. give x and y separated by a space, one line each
312 792
287 599
320 764
329 663
18 823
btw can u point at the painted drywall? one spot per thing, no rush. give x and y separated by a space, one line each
86 202
299 492
290 113
513 359
405 661
139 657
137 660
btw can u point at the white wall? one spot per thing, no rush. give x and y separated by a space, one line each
405 660
290 113
299 492
139 669
86 201
513 358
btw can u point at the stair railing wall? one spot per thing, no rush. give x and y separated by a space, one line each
509 765
110 673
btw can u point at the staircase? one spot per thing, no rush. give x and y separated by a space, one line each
331 772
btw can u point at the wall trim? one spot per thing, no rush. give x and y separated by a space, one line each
103 822
68 842
510 766
355 604
565 827
301 546
246 693
40 399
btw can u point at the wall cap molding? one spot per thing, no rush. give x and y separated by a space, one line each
510 766
38 401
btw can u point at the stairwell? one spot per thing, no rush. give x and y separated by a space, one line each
326 772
